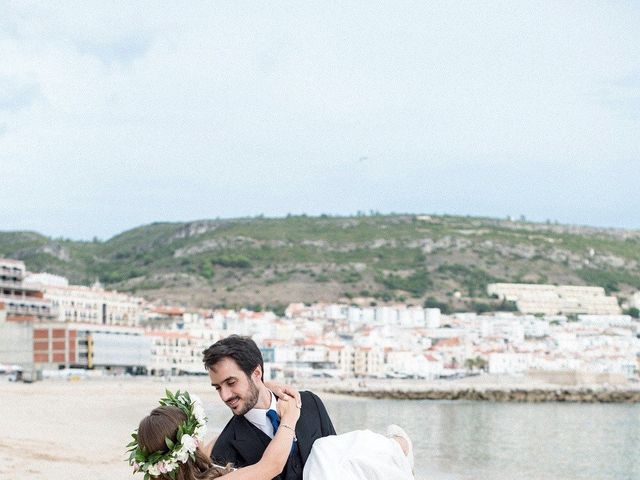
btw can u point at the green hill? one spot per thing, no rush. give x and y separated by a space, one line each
263 262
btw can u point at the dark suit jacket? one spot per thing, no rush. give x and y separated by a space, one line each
242 443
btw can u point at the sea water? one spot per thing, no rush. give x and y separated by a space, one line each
482 440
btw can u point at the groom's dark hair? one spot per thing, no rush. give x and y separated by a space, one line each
242 350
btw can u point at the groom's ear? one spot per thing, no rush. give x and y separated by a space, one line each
256 375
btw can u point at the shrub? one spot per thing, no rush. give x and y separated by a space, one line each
431 302
417 283
231 261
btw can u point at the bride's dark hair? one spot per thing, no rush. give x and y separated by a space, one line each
164 422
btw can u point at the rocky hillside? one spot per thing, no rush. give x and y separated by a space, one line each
262 262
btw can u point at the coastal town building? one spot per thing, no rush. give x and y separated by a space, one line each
175 353
54 346
634 301
82 304
570 333
16 341
555 300
21 301
501 363
178 339
343 357
368 362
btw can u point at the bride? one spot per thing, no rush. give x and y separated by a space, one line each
168 446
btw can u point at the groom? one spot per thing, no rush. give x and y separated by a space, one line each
235 368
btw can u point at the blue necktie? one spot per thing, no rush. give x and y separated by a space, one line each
273 418
272 415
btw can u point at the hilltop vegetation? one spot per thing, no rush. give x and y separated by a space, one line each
259 262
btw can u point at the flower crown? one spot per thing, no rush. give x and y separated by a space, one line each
190 434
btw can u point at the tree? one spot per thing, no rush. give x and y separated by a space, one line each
470 364
634 312
474 364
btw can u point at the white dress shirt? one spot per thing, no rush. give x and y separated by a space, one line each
258 416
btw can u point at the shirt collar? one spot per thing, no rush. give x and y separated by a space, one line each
258 416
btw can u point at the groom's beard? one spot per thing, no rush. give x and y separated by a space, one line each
250 401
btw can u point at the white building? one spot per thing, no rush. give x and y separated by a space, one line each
535 327
22 301
552 300
81 304
635 300
312 352
175 353
343 357
112 348
509 363
368 362
507 327
432 317
606 320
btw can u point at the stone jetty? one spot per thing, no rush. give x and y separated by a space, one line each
489 393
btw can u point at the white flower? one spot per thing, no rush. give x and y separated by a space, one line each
188 443
182 455
154 470
198 412
162 466
200 432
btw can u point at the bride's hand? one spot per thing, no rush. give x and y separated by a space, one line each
280 389
288 410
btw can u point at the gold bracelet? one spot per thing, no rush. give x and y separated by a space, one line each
287 426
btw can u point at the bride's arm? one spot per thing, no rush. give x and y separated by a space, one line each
275 456
208 447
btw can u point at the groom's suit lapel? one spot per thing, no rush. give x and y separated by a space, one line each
249 441
306 431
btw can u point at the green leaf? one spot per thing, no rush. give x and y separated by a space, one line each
155 457
147 476
169 443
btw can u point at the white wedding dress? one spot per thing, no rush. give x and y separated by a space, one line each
357 455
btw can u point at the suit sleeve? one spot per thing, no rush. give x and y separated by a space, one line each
325 422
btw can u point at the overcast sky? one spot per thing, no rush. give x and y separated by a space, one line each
117 114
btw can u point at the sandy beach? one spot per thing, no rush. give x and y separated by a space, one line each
65 430
78 430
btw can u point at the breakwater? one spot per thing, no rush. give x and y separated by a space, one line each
578 394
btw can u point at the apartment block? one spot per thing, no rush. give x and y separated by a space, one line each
555 300
22 302
82 304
